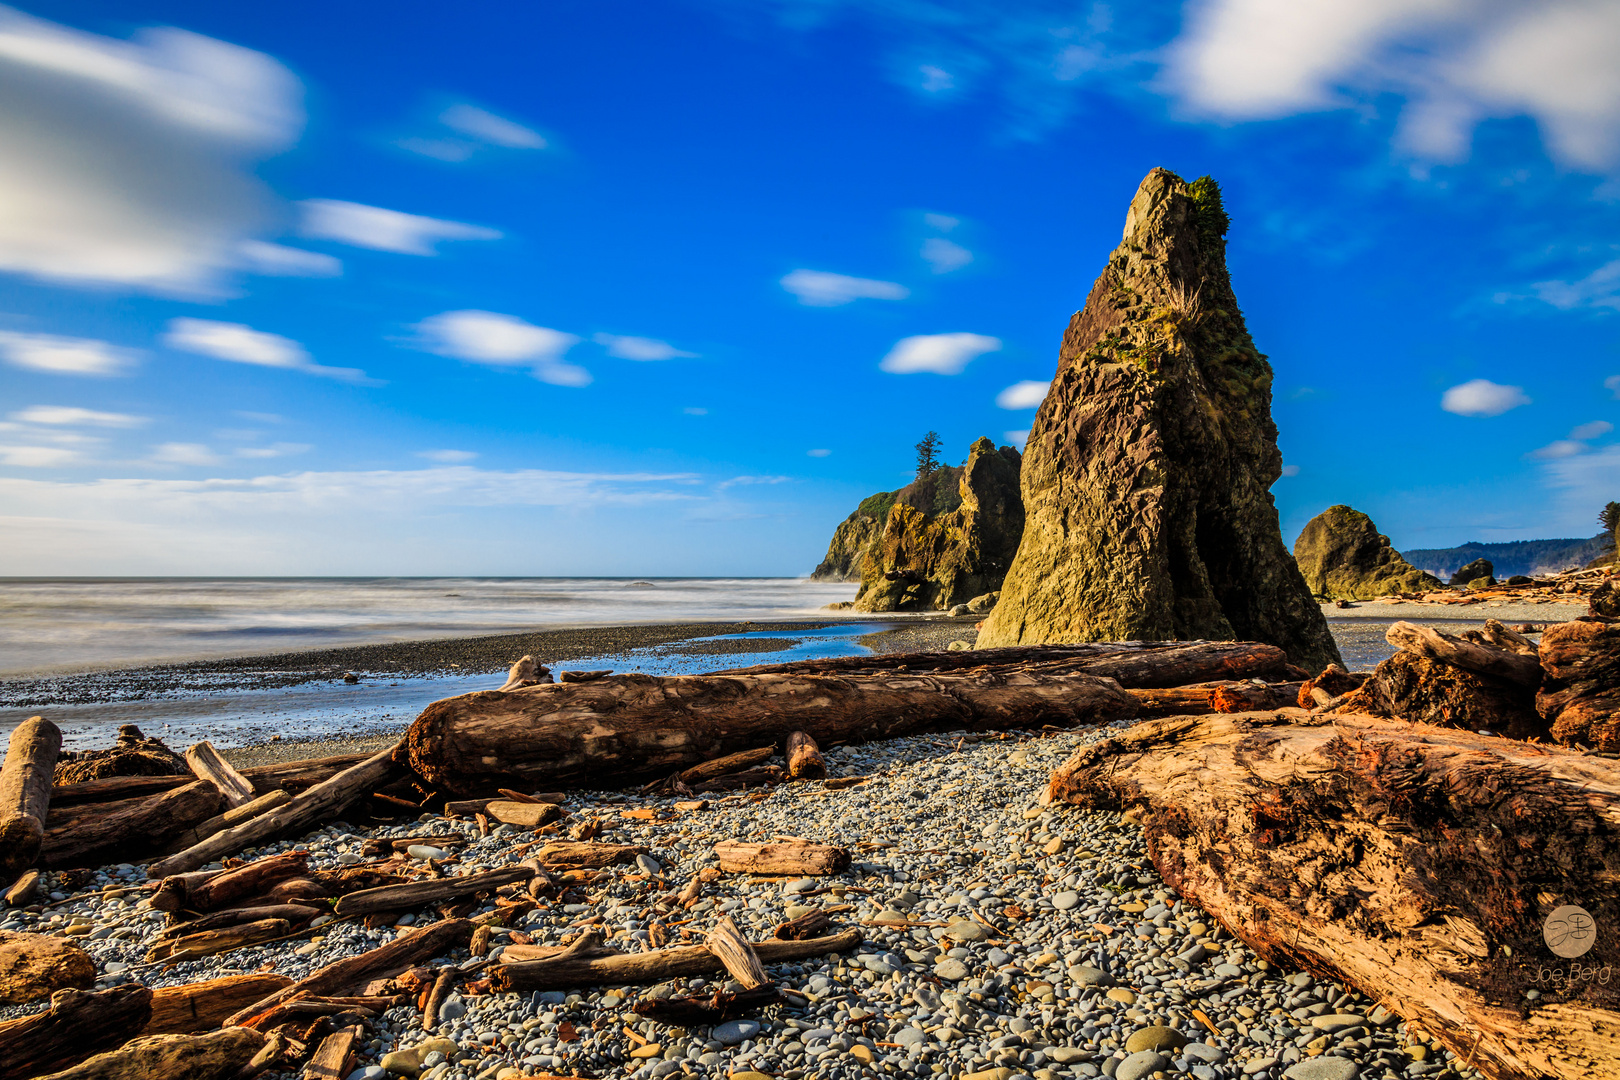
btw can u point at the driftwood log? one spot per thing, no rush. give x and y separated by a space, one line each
289 776
1134 665
1421 865
209 890
94 834
586 854
1581 695
524 815
623 969
35 966
206 764
332 1058
315 806
782 856
203 1006
78 1023
804 759
1410 686
414 894
1481 659
132 754
637 725
220 822
209 942
354 972
25 794
218 1055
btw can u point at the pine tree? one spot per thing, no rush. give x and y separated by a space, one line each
928 455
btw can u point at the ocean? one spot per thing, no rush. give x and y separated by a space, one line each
83 624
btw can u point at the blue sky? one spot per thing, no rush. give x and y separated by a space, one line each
665 288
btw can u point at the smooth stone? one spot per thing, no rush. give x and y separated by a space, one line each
800 886
1197 1051
1157 1037
1063 901
794 911
1324 1068
967 930
1067 1055
401 1062
649 865
733 1032
1122 995
951 970
861 1052
424 852
909 1036
1258 1065
1141 1064
452 1008
748 1074
1000 1073
370 1072
1086 975
1337 1022
1229 971
651 1050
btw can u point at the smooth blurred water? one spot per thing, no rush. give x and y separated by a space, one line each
80 623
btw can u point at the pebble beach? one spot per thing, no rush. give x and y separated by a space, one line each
1001 940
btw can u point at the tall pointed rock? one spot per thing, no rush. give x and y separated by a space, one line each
1146 480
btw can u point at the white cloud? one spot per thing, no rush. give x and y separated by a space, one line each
261 417
1290 470
244 345
65 355
941 222
935 79
1560 448
1456 62
487 337
941 354
638 348
1599 289
280 449
736 481
72 416
383 230
1613 383
492 129
818 288
819 453
1481 397
130 162
1023 395
38 457
944 255
278 260
180 453
1592 430
1018 438
1587 480
447 457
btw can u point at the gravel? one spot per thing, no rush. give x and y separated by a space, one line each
1005 955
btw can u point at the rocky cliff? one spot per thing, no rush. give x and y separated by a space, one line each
1147 475
1343 557
934 543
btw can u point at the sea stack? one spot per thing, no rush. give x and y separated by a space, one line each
1344 557
1147 476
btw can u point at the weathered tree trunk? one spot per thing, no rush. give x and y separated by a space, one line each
206 764
762 776
35 966
91 835
291 776
354 972
295 914
79 1023
1497 663
132 754
781 857
635 725
1412 687
332 1058
586 855
1248 696
317 805
1418 864
1581 697
742 962
623 969
414 894
804 760
1134 665
209 942
209 891
25 794
730 763
218 1055
202 1006
220 822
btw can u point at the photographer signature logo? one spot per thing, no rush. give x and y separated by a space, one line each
1570 931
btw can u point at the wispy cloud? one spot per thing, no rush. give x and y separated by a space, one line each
1612 384
183 453
476 129
743 481
173 123
818 453
940 354
38 457
73 416
1579 437
639 348
275 450
1017 438
383 230
65 355
1023 395
944 255
1481 397
241 344
818 288
496 340
447 457
1599 289
278 260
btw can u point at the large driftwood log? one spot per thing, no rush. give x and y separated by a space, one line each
414 894
295 914
317 805
202 1006
1418 864
25 794
224 939
210 890
1133 664
623 969
1581 697
206 764
290 776
352 973
78 1023
1498 663
804 758
91 835
783 856
220 822
722 766
635 725
332 1058
1408 686
132 754
586 855
218 1055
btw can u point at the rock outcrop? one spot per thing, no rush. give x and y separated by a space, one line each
936 542
1147 475
1479 570
1343 557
